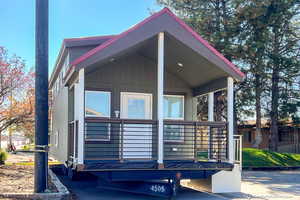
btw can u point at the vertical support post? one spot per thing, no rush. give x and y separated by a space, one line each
210 118
211 106
74 141
79 114
195 141
219 144
230 119
76 103
41 96
160 97
241 150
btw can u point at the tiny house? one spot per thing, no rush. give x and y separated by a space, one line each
125 107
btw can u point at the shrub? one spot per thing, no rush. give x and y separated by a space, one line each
3 156
26 148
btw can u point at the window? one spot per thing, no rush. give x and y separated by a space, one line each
174 110
97 104
174 107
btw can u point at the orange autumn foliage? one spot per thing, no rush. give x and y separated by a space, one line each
16 93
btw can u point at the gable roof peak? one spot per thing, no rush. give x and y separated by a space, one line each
167 11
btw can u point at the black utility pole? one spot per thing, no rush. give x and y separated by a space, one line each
41 96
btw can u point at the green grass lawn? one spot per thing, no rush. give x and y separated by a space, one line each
263 158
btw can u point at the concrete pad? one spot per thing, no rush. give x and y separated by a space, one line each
277 185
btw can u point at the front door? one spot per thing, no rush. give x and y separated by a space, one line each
137 138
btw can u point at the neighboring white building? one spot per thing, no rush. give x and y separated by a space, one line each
18 139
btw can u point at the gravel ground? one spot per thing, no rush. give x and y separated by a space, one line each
20 157
18 179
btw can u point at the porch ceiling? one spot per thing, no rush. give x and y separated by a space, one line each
196 70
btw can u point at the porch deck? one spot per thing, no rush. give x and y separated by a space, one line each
127 144
98 165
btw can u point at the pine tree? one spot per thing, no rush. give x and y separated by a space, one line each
215 21
254 17
283 62
261 37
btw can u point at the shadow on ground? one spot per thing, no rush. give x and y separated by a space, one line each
86 188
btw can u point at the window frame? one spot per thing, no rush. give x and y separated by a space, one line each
183 98
93 116
181 139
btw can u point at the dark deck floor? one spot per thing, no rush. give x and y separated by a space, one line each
91 165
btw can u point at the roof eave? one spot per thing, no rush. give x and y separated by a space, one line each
235 72
62 51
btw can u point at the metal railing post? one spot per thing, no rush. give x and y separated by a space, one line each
195 142
238 149
218 144
210 142
122 141
227 142
241 150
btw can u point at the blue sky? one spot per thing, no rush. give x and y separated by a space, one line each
67 18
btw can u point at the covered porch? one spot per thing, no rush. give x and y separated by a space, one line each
145 116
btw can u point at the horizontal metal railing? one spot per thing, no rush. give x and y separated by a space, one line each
120 139
195 140
238 149
73 141
130 139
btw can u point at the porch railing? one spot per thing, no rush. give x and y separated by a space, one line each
238 149
73 141
128 139
195 140
120 139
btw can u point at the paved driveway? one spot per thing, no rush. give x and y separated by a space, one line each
277 185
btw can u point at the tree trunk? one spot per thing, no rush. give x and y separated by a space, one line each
258 134
275 95
9 136
274 111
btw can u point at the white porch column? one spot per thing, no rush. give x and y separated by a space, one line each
160 97
211 106
210 118
230 119
79 114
